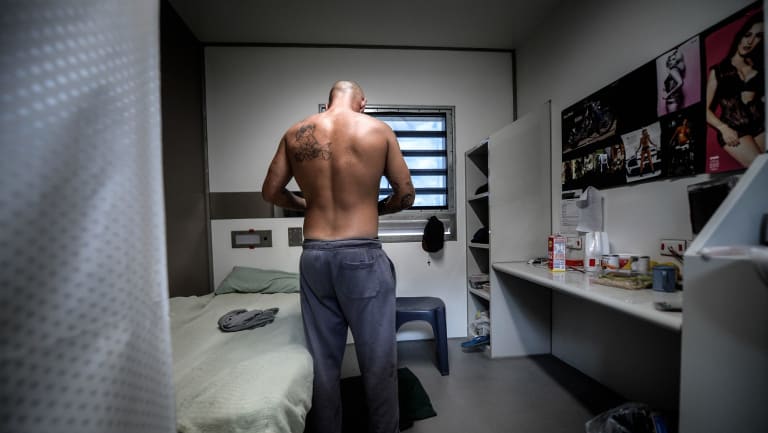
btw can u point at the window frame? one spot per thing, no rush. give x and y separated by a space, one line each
408 225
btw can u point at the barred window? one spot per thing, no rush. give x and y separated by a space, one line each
426 138
423 140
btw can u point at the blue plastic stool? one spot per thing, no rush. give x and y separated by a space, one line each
430 310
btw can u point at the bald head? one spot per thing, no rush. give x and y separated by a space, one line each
347 93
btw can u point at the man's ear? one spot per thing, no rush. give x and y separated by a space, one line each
362 105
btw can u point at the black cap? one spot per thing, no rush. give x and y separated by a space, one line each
482 236
433 235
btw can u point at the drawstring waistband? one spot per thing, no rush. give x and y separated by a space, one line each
315 244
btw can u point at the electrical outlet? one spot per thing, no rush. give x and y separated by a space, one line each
295 237
672 247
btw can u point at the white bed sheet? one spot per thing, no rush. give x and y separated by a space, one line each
257 380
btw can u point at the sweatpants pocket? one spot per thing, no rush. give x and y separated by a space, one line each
357 275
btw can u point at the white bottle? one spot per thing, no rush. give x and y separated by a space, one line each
595 245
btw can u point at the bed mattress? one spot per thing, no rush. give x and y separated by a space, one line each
256 380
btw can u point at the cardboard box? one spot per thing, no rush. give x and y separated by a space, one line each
556 253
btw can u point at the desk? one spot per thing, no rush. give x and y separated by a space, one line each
613 335
638 303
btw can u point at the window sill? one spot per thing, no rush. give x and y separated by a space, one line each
409 226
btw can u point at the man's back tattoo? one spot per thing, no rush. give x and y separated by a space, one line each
309 147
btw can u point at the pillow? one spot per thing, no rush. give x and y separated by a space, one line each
253 280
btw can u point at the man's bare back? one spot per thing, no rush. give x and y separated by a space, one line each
338 158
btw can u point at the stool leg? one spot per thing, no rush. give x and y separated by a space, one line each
441 341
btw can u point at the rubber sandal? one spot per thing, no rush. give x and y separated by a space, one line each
477 341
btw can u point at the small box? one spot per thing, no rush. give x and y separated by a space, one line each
556 253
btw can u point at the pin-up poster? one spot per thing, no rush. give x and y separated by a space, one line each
735 92
678 77
642 149
699 107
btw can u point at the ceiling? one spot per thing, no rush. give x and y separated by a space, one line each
478 24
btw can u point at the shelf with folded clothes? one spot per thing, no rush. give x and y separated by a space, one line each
481 238
478 245
479 284
477 211
483 293
512 166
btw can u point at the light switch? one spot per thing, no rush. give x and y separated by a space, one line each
295 237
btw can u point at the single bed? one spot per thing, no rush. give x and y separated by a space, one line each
254 380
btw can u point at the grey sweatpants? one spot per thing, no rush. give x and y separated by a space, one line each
350 283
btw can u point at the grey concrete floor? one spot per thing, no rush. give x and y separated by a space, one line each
538 394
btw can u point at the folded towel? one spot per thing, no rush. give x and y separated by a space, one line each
238 320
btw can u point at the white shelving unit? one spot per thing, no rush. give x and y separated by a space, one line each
515 163
478 254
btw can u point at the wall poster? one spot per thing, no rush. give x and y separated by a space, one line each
735 92
644 156
697 108
678 77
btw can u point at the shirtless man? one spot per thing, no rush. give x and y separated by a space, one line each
337 158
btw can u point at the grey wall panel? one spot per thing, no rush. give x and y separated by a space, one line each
238 205
184 160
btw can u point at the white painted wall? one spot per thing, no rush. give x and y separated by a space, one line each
254 93
583 47
587 45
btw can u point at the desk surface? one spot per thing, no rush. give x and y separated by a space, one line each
638 303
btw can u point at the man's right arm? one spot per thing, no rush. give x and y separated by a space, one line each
273 190
398 175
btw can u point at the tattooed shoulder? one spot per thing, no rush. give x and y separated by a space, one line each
308 147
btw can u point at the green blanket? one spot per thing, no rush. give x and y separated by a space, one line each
256 380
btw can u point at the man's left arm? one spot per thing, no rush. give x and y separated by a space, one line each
273 190
399 176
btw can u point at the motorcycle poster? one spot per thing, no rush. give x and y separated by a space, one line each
590 120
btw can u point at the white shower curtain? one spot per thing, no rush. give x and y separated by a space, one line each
84 334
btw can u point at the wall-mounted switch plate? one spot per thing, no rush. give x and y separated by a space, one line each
295 237
672 247
252 239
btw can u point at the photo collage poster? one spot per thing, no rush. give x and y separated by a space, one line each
697 108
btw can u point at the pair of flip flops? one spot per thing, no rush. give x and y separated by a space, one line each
476 341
